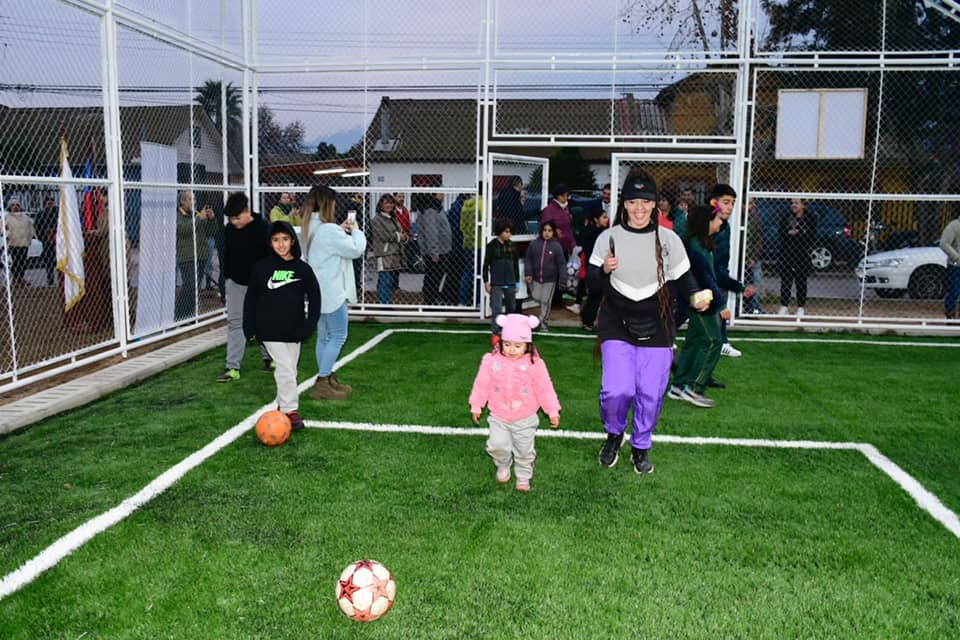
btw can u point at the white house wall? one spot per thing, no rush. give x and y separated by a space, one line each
398 174
393 175
208 155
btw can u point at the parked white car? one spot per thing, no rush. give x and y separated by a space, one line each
921 271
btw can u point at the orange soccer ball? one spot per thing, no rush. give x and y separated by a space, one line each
273 428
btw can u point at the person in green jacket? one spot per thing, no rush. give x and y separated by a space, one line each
701 346
284 210
469 220
192 251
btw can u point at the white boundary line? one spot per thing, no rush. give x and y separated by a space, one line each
591 336
64 546
924 499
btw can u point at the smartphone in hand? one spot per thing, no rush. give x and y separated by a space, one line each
352 217
612 251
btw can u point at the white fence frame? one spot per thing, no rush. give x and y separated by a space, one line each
491 61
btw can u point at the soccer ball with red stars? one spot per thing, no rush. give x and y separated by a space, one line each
365 590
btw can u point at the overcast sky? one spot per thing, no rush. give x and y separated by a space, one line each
50 53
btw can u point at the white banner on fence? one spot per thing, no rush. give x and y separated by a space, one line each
158 227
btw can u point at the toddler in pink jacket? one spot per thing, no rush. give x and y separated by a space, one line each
513 383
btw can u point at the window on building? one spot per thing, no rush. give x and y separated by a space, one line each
426 180
823 124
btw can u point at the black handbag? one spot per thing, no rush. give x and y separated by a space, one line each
642 328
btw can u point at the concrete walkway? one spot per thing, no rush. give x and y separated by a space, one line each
75 393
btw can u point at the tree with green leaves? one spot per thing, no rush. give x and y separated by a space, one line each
919 117
326 151
211 96
569 167
275 138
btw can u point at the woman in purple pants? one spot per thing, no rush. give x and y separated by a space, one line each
633 262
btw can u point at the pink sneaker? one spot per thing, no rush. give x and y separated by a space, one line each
503 474
523 485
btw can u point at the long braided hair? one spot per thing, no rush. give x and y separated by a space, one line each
664 299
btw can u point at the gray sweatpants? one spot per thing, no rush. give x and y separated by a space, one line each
235 340
513 442
285 356
542 292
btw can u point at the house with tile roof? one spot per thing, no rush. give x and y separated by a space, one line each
30 140
436 141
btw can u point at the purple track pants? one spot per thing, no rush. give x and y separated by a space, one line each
637 377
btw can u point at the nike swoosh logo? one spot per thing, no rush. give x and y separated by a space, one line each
273 284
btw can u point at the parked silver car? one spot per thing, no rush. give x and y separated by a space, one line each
919 271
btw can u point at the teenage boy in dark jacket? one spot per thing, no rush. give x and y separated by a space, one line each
273 311
501 272
245 242
723 199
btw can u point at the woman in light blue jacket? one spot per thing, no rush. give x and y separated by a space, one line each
331 250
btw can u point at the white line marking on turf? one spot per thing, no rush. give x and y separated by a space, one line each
589 336
72 541
76 538
924 499
60 549
882 343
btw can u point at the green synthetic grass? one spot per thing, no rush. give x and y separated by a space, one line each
719 542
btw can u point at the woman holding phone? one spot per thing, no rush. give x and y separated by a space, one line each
331 249
633 263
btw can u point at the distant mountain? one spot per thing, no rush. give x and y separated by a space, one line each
342 140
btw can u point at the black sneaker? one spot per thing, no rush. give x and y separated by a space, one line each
715 384
268 365
296 422
641 461
610 452
229 375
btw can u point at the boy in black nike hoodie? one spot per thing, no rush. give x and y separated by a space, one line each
273 311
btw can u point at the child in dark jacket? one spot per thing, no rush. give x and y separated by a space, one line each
593 227
543 264
273 311
501 272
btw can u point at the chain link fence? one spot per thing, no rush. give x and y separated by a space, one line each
120 141
465 115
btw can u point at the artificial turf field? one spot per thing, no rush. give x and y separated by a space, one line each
723 540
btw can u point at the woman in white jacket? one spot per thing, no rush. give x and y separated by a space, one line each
331 250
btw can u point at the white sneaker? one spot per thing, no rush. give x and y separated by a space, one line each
696 399
728 350
799 312
574 308
782 311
